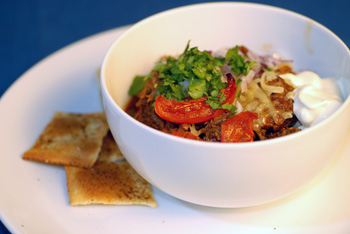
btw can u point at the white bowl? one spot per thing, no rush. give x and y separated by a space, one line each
217 174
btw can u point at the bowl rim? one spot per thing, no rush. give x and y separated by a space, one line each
285 139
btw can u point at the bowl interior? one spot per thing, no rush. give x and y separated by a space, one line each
214 26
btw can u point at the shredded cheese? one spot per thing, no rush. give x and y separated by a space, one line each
269 89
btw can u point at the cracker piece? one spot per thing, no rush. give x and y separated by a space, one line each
110 150
108 183
70 139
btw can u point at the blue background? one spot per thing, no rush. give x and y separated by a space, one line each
31 30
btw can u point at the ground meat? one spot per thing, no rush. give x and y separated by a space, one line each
284 69
280 100
270 125
282 132
244 50
286 128
211 130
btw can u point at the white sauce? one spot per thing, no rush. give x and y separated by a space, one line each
315 98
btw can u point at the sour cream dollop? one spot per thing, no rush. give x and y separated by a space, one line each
315 98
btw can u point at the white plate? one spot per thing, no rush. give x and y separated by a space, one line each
34 199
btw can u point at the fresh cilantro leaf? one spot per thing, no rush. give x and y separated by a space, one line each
137 85
229 107
213 103
237 62
200 68
197 88
215 93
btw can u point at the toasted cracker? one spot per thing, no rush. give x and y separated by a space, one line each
108 183
110 150
70 139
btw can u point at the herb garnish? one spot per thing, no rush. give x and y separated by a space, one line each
237 62
137 85
196 73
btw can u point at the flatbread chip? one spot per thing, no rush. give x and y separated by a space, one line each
110 150
70 139
108 183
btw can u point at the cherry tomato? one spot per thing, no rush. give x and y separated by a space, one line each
194 110
239 128
187 135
